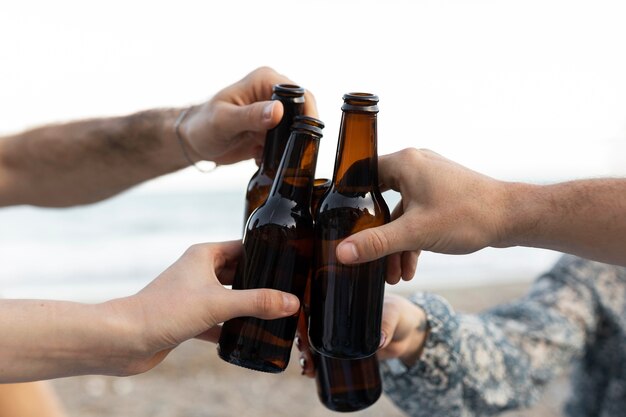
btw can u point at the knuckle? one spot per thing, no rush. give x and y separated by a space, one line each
411 155
377 241
195 250
265 71
264 301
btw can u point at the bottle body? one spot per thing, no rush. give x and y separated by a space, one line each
275 256
348 385
342 384
347 300
292 98
278 242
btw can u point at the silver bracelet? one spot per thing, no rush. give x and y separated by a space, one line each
181 116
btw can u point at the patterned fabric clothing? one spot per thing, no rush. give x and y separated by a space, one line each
574 317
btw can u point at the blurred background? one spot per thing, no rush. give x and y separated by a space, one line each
532 91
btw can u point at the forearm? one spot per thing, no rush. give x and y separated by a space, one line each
500 360
585 218
44 339
86 161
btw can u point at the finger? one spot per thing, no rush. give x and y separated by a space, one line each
374 243
256 117
389 323
409 264
212 335
389 172
310 105
226 255
398 210
263 303
394 268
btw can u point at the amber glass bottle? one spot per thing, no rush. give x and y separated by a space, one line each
342 384
347 300
292 97
277 254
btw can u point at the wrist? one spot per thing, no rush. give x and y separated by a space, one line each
124 348
154 133
518 215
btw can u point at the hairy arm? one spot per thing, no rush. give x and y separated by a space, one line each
89 160
448 208
86 161
585 217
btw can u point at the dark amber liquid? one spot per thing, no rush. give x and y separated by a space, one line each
342 384
276 140
348 385
277 255
258 190
346 307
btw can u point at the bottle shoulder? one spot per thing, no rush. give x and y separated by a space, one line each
261 178
365 199
281 212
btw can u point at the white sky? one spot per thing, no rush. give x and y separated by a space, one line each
519 90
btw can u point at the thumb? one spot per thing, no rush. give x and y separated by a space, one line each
263 303
389 324
257 117
377 242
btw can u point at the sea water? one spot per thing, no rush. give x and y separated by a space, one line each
114 248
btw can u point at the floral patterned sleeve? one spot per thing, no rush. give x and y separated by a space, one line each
481 365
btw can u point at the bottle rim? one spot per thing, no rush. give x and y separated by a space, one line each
309 124
288 90
360 102
323 183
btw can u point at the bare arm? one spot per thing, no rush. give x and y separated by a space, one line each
44 339
86 161
89 160
448 208
585 218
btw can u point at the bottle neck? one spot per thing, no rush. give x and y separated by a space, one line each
276 138
356 162
297 169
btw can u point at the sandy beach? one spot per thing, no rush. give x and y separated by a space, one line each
194 382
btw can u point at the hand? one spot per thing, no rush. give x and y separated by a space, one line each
445 208
188 300
404 330
231 126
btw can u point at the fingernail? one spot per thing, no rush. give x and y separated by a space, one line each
348 252
267 112
302 363
383 338
298 343
290 302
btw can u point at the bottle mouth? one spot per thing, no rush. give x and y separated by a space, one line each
321 183
308 123
360 102
288 90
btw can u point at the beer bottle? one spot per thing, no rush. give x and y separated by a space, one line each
347 384
342 384
277 242
292 97
347 300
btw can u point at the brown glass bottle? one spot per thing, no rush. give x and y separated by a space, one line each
292 97
342 384
277 254
347 300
